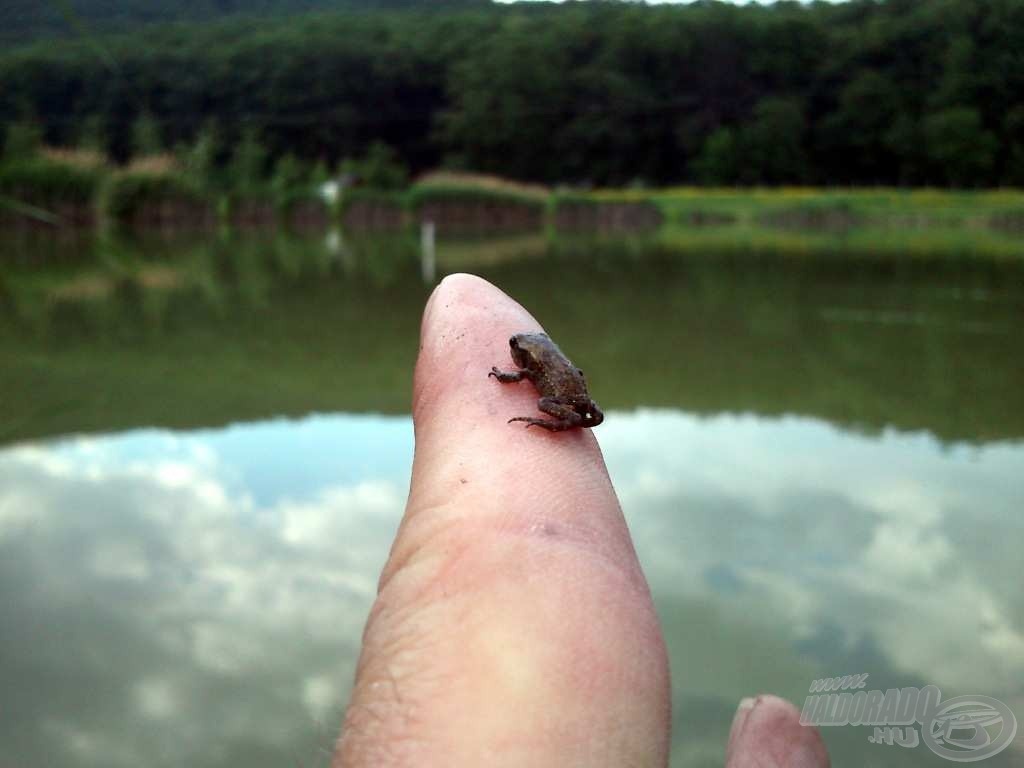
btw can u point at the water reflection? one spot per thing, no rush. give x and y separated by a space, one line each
785 550
191 599
198 597
820 459
331 325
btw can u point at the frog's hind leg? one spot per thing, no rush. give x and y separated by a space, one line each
550 426
508 377
565 416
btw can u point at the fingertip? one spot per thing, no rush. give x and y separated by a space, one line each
465 327
740 718
460 292
766 732
449 284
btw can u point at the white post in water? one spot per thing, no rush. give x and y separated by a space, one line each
428 256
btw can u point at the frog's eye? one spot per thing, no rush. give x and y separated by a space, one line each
579 371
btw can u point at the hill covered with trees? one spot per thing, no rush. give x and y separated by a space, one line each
906 92
23 21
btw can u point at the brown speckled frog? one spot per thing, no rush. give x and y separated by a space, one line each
562 388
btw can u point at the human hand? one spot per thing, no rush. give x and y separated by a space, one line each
513 625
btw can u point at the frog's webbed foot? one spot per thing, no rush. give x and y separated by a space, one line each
550 426
508 377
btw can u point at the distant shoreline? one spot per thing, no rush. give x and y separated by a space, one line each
49 196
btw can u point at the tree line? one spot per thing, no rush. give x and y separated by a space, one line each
23 21
900 92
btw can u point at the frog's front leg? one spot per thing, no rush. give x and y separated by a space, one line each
565 416
508 377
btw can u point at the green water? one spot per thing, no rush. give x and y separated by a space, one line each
206 447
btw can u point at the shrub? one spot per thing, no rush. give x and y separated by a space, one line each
425 193
130 194
43 182
380 168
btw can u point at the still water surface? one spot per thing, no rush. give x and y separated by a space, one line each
206 449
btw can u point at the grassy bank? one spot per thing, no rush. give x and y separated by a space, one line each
863 207
883 221
54 190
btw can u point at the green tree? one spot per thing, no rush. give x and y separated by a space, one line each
905 142
320 174
380 168
960 149
248 161
1014 131
857 92
92 135
958 84
508 99
857 129
772 144
718 162
22 140
290 177
199 160
146 140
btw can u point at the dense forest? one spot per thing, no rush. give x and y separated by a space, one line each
906 92
27 20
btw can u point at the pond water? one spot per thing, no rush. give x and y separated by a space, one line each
205 448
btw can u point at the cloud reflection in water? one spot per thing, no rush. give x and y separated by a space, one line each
172 598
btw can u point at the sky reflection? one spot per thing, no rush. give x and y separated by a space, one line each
171 598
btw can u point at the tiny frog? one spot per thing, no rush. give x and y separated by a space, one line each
562 388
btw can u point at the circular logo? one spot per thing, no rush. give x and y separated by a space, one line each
961 729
